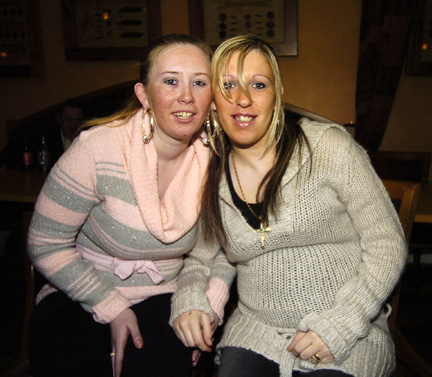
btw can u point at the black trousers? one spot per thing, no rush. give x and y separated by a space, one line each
64 340
240 362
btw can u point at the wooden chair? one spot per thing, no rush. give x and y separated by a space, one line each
408 166
405 195
405 166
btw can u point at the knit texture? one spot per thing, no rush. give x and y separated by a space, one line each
103 196
332 257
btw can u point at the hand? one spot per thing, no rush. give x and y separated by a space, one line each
196 354
307 344
124 324
193 328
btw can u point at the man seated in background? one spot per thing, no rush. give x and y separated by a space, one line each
59 134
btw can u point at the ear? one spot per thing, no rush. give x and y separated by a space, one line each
141 93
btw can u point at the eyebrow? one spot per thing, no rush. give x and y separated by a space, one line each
254 77
177 73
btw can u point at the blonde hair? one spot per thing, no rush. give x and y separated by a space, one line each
244 44
147 64
285 136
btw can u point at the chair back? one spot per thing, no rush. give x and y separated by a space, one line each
294 113
405 166
405 196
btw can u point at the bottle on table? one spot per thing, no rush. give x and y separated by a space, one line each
27 157
44 159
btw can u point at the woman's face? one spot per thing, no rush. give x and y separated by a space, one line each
180 91
246 121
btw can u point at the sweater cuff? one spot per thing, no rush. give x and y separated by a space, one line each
218 294
328 334
108 309
186 301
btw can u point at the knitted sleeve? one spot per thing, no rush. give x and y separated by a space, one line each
63 206
204 282
373 216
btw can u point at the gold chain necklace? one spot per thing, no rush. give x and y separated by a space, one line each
263 229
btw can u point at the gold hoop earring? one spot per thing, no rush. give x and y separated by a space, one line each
147 138
213 129
207 127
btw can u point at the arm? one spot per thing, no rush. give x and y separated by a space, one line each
64 205
203 290
375 220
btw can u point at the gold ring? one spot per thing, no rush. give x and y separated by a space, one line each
315 358
112 354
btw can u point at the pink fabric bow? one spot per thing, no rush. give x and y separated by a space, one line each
125 268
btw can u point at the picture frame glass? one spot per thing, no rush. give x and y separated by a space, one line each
111 23
225 19
275 21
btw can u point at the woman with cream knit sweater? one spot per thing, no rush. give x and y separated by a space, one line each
300 212
112 224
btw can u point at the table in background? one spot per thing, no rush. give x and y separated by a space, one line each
20 186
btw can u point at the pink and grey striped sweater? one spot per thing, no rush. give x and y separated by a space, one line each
101 234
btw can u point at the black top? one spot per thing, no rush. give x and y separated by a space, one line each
241 204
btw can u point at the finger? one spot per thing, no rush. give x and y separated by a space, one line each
182 337
119 355
196 334
118 362
327 359
196 354
112 355
292 347
136 336
181 328
207 332
313 345
193 334
189 336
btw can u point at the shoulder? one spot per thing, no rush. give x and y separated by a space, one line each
97 133
326 135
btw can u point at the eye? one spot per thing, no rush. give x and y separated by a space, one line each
229 85
200 83
258 85
170 81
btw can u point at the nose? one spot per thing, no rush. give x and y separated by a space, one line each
242 99
186 95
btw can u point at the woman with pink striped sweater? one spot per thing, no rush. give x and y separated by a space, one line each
112 224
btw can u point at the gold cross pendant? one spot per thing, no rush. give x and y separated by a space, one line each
262 231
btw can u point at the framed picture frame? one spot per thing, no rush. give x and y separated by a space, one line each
109 29
419 56
276 21
21 53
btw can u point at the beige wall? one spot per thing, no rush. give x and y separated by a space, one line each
321 78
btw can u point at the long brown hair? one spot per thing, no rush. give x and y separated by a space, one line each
286 136
151 52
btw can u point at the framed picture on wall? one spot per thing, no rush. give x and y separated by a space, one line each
109 29
419 59
21 52
275 21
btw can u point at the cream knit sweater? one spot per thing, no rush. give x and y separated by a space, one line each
334 254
